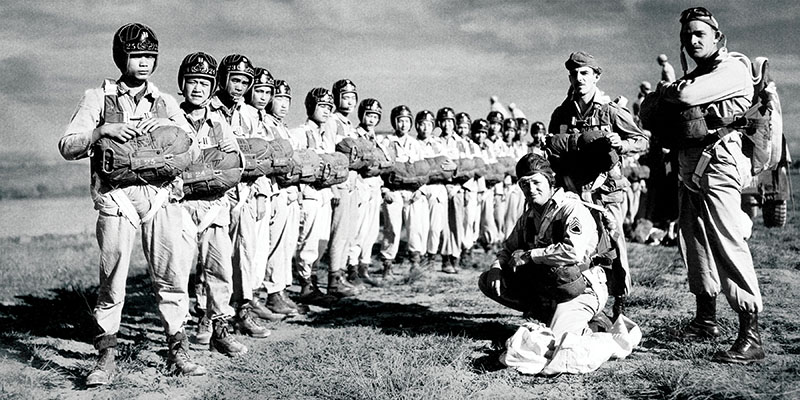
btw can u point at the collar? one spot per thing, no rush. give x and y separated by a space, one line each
216 104
342 118
149 89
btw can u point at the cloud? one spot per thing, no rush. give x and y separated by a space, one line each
21 80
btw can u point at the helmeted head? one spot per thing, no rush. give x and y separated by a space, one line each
662 58
509 129
195 67
480 129
424 122
536 178
398 113
370 107
345 95
235 75
261 90
319 104
132 39
522 125
645 87
463 124
198 65
281 99
538 132
443 115
700 34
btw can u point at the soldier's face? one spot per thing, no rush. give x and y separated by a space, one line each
370 120
536 188
448 126
140 66
463 129
321 113
236 86
196 90
510 133
583 80
280 106
479 137
699 39
495 128
403 125
260 97
347 103
424 129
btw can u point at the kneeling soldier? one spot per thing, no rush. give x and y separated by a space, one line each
543 268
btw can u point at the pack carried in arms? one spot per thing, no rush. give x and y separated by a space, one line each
264 158
306 167
334 170
407 175
211 174
152 158
437 174
465 170
384 161
359 152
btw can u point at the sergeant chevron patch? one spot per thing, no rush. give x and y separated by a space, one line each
574 226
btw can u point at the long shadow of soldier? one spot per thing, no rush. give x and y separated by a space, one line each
67 314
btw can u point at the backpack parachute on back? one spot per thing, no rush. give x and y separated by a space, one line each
763 121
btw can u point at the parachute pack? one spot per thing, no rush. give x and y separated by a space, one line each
306 166
265 158
152 158
407 175
213 173
334 170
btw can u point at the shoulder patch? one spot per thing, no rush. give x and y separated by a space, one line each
574 226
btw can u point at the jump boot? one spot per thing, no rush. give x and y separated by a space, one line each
363 273
105 368
353 277
263 312
278 305
746 348
449 264
178 362
310 293
245 324
416 263
203 334
619 306
222 341
339 286
704 324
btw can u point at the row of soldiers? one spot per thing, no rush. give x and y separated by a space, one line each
183 173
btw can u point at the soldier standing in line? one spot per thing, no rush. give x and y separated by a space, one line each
250 217
316 203
435 193
454 147
403 207
470 190
344 206
712 227
369 208
123 109
284 224
586 108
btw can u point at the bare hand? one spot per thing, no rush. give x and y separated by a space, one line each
119 132
494 278
614 139
335 201
228 145
520 258
387 198
151 124
449 165
261 207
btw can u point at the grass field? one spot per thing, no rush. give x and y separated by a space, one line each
433 338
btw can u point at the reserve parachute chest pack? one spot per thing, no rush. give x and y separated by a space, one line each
335 169
437 173
214 171
155 157
265 158
407 175
306 167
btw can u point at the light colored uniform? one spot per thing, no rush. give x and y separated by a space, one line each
210 225
436 194
284 220
345 215
369 209
454 147
712 227
488 232
406 209
315 206
514 195
123 210
610 195
472 205
565 233
250 235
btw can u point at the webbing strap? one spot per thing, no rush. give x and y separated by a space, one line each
126 207
705 157
209 218
158 200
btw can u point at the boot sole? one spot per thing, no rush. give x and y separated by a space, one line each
239 353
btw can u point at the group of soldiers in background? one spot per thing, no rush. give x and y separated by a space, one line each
251 225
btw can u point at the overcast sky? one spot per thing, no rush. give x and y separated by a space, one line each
425 54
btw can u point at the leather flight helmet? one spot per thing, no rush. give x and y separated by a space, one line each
134 38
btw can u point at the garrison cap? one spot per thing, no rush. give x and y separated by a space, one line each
580 59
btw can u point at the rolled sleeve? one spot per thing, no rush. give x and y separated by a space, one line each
77 140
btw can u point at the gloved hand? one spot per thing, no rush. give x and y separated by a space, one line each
493 278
